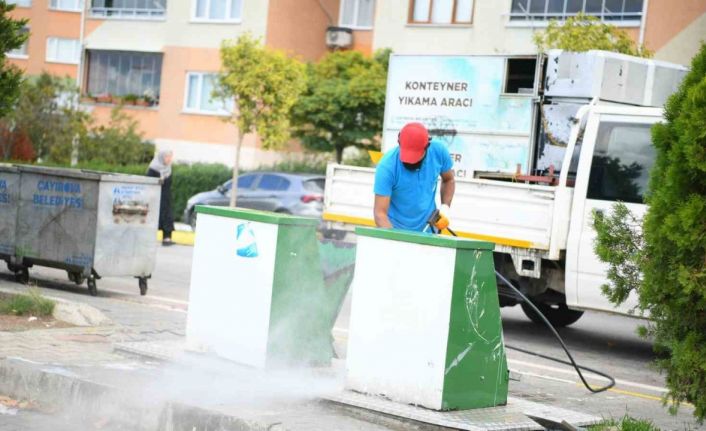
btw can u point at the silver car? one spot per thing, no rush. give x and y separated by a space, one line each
297 194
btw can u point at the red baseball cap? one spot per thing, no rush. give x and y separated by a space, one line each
413 140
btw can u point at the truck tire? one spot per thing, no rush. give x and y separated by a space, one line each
558 315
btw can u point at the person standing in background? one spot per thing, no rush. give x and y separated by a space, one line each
161 167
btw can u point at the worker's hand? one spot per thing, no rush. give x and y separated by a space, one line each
443 221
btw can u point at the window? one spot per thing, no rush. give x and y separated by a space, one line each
199 90
63 50
130 9
519 75
606 10
245 181
66 5
218 10
21 3
273 183
622 161
316 185
22 51
357 13
441 11
120 73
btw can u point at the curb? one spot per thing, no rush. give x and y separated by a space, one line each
76 313
85 402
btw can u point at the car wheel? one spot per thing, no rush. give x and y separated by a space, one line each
192 220
283 211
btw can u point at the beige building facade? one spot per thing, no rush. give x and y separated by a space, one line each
672 29
166 52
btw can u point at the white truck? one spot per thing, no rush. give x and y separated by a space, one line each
539 143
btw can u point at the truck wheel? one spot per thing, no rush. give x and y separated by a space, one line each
558 315
143 286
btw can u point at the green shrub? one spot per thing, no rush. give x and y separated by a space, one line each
672 260
187 180
627 423
33 303
120 142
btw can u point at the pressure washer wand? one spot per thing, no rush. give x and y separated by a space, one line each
435 216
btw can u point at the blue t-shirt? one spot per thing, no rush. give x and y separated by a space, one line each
411 193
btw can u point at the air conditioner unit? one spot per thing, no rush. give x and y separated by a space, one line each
339 37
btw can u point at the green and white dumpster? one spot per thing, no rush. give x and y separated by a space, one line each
257 293
425 323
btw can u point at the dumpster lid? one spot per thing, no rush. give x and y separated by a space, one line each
424 238
126 178
88 174
60 172
5 167
254 215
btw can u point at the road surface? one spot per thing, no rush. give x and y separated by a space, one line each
601 341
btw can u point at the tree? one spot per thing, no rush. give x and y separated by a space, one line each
583 33
119 142
265 84
344 102
49 122
12 37
47 113
666 263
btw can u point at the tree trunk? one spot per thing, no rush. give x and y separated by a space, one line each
339 154
236 170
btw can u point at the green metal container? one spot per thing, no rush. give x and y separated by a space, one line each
425 321
258 295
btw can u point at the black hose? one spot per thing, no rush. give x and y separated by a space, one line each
572 362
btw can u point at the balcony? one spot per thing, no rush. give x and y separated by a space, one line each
131 78
129 9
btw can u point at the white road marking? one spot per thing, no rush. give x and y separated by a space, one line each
542 376
587 374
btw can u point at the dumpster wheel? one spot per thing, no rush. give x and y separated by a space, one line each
77 277
143 285
22 275
92 288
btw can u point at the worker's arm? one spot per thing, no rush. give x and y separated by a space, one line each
448 187
382 204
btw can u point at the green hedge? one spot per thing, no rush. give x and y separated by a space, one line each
191 179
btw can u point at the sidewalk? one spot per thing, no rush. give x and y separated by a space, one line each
77 377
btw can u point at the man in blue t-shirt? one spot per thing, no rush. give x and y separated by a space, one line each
406 179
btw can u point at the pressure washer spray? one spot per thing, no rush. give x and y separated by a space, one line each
432 223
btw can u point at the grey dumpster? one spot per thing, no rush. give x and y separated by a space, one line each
92 224
9 191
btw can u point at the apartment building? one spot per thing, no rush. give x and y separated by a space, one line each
166 52
673 29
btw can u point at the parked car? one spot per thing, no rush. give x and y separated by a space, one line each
297 194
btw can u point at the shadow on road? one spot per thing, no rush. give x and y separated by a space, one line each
600 335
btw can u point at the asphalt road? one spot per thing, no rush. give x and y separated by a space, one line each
600 341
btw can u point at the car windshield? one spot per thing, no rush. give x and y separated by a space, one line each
315 185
